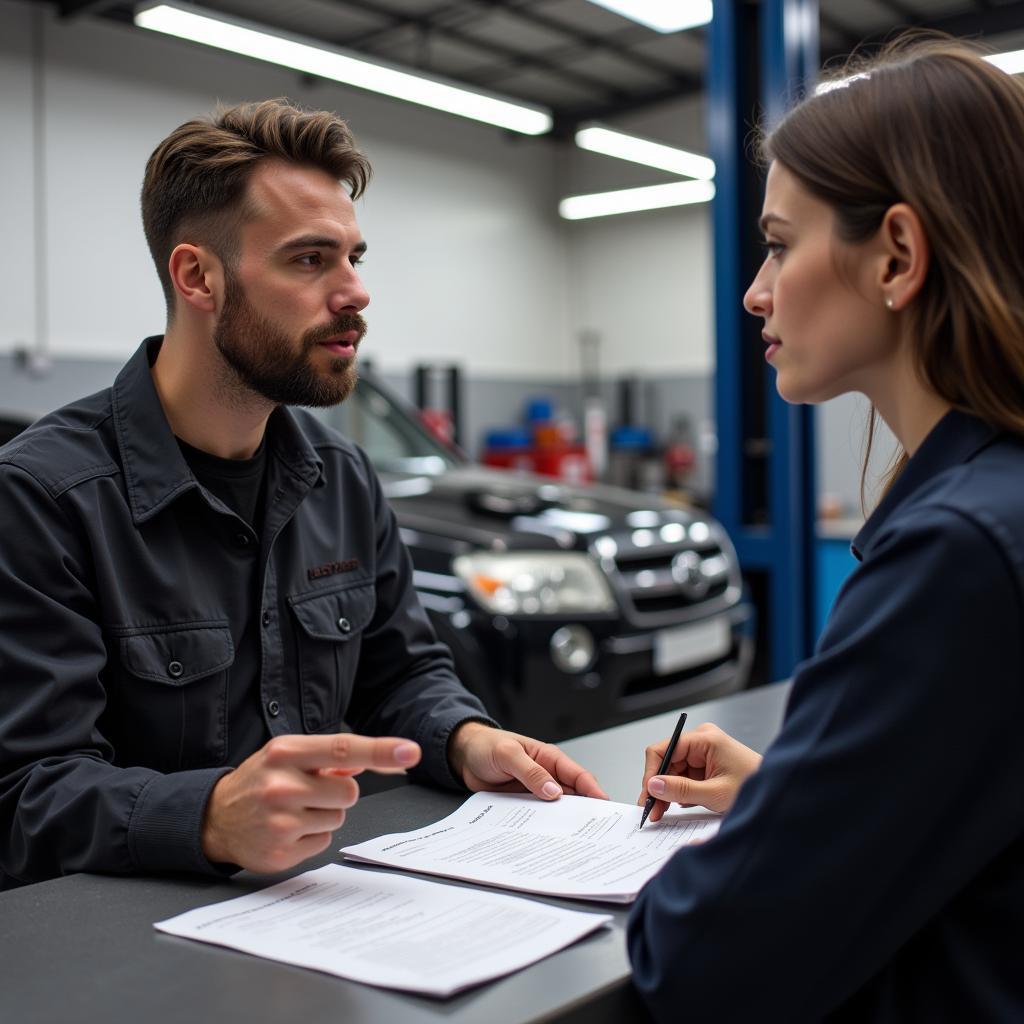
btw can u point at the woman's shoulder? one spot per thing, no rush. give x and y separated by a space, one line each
976 503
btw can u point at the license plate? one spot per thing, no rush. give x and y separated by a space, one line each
685 646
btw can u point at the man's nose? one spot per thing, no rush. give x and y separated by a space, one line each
350 295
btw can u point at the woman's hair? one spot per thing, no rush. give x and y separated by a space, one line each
931 123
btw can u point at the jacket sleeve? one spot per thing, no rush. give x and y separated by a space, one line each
64 806
406 683
882 797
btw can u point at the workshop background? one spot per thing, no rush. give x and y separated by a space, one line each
489 308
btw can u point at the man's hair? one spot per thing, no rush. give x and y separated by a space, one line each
195 184
930 123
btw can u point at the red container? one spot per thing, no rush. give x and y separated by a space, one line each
509 458
566 462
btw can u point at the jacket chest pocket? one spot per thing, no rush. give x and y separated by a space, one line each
329 639
174 696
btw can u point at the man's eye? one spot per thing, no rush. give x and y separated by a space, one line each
309 259
357 261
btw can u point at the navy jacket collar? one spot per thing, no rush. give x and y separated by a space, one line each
954 440
155 471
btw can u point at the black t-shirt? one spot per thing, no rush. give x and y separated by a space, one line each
241 485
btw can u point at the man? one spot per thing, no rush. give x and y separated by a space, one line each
201 588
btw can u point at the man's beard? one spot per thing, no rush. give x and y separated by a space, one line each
266 362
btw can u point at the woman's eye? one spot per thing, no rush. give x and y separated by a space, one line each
773 249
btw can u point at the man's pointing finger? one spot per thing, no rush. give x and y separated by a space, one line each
343 750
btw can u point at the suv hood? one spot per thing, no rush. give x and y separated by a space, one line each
496 508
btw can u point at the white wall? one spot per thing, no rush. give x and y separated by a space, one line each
17 181
643 282
467 254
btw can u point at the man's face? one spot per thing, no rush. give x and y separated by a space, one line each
290 322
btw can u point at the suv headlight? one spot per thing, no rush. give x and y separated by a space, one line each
535 583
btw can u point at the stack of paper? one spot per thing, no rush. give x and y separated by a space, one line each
388 930
575 846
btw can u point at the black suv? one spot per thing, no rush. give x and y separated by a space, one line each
567 608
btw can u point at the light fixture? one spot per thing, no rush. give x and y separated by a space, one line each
1012 62
642 151
661 15
632 200
187 22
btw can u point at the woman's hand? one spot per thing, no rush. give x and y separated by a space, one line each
707 769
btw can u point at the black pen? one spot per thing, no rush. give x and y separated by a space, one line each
665 762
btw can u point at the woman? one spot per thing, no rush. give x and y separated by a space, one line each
871 868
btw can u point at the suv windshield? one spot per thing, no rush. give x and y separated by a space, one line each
390 434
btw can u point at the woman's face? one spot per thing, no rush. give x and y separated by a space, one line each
827 331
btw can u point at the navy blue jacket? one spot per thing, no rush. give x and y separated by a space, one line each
122 602
873 869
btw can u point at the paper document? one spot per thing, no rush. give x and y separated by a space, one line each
574 846
388 930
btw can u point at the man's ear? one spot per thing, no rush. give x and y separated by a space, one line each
908 253
198 276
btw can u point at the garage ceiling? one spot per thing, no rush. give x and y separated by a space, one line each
582 61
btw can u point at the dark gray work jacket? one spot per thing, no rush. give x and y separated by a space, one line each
121 604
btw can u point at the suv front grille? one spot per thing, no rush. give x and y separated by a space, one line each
666 581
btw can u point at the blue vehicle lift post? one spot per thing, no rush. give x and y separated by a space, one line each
760 58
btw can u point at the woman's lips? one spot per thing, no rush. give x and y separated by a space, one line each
773 345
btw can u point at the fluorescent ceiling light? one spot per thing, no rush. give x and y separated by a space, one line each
661 15
187 22
1011 62
632 200
642 151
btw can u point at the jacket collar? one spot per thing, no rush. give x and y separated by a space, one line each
954 440
155 471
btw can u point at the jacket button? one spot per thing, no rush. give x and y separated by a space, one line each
242 540
273 709
175 669
266 618
344 625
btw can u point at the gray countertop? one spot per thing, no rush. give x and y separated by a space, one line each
82 948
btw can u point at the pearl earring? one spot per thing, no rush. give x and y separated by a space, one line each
888 302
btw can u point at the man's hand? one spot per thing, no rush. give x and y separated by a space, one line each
706 770
282 804
505 762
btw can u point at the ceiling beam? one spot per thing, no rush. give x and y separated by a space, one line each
616 42
436 17
76 8
989 21
983 21
512 56
566 118
907 15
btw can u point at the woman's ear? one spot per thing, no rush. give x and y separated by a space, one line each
905 244
197 276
